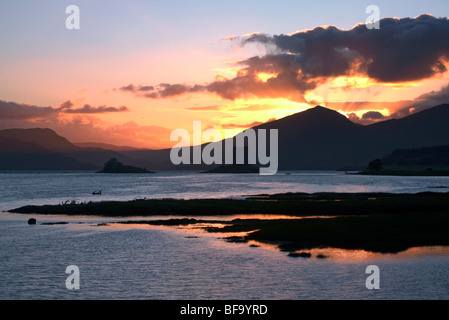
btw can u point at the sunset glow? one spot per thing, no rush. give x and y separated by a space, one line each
224 156
132 78
263 76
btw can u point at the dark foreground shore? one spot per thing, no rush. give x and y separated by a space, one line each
378 222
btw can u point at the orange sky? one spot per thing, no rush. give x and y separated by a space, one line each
222 76
163 115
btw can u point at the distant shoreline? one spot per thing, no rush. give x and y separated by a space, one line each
377 222
404 173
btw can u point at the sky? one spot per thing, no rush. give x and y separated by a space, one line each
137 70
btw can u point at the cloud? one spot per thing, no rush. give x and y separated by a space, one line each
353 117
287 83
350 106
244 126
255 107
367 118
424 101
232 37
145 88
133 88
372 115
165 90
129 87
28 112
402 108
402 50
433 98
66 105
81 129
101 109
83 126
206 108
16 111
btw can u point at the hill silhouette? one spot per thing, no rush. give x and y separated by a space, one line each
315 139
44 149
418 157
105 146
20 155
321 138
318 138
44 137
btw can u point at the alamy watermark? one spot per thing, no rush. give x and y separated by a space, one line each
73 20
373 21
256 146
373 280
73 280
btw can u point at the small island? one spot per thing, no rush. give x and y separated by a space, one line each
426 161
375 168
234 168
114 166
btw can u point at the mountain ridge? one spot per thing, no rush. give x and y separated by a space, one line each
316 139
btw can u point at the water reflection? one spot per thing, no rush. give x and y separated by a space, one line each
199 230
339 255
351 255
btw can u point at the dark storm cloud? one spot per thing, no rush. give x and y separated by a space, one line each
287 82
367 118
372 115
402 50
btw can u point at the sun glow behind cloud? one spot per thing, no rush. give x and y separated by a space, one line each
264 76
236 81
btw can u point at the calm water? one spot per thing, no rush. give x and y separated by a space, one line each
141 262
19 188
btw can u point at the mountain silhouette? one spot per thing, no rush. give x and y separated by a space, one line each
318 138
106 146
21 155
44 137
44 149
437 157
321 138
315 139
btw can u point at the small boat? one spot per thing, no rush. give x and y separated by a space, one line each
97 193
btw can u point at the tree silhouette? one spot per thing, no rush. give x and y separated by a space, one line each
112 165
375 165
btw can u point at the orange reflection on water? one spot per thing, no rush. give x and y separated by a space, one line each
267 217
348 255
333 254
130 226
